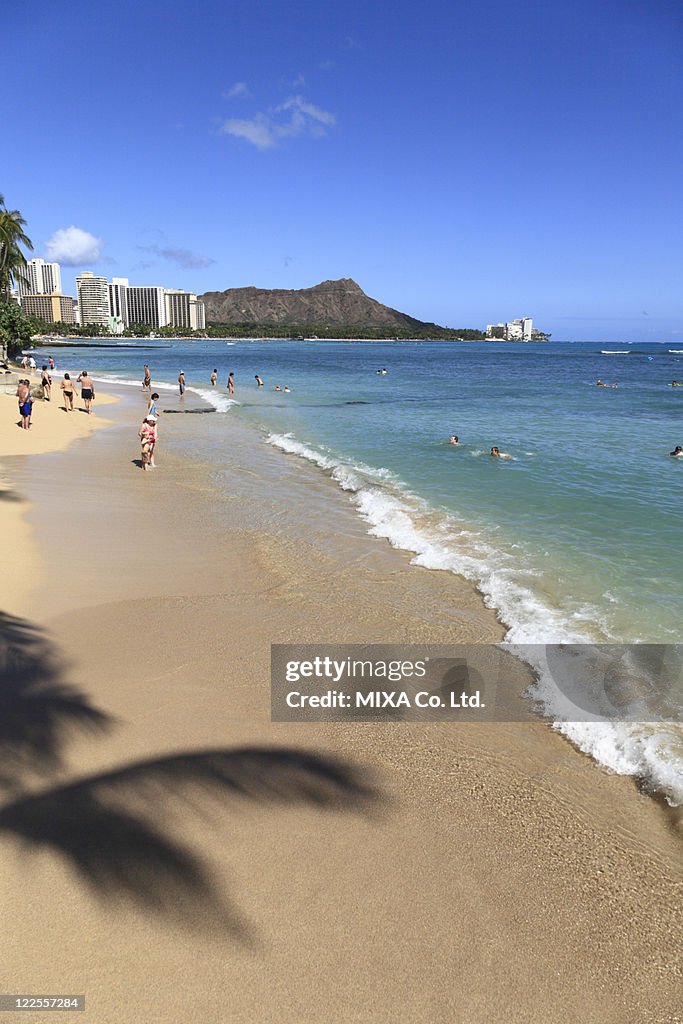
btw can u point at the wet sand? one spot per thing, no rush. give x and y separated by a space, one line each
412 873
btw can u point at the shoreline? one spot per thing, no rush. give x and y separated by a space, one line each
494 850
52 431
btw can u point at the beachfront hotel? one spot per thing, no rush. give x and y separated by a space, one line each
184 310
146 305
93 299
54 308
521 329
41 278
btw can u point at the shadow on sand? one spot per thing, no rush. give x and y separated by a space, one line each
115 828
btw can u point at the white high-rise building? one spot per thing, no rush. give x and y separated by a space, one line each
118 306
42 278
93 299
183 309
146 305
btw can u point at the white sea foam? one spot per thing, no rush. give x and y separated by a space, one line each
676 351
653 754
128 383
219 401
615 351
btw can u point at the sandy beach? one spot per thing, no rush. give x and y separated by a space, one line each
169 852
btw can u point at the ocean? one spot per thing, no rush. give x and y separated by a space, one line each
574 539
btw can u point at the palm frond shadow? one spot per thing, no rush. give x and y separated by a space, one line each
39 712
116 828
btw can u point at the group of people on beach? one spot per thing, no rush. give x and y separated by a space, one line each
67 386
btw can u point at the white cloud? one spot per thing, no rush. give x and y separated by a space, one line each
237 90
258 131
73 247
264 130
300 105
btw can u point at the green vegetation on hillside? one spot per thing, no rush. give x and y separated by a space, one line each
354 331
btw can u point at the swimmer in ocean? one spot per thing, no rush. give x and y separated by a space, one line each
258 380
498 454
278 388
676 384
453 439
677 453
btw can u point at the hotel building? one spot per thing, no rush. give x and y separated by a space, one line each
146 305
93 299
184 310
42 278
52 309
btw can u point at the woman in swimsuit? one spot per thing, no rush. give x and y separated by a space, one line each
147 382
46 381
231 383
67 387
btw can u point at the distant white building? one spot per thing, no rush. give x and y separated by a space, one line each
93 299
41 278
515 330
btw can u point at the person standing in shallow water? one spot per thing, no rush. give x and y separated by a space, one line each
259 382
214 378
147 380
181 383
231 383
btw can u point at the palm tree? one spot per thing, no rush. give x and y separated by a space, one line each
12 238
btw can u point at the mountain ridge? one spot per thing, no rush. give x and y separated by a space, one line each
329 303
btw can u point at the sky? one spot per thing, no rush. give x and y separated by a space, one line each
464 162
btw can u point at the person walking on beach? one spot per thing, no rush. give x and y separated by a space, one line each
67 387
214 378
181 383
147 379
87 389
231 383
25 403
46 382
147 435
259 382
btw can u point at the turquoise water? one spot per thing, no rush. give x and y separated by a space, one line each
574 538
582 524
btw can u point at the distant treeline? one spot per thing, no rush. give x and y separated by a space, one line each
355 331
249 330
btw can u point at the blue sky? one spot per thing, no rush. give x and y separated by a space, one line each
463 162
